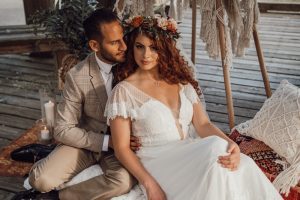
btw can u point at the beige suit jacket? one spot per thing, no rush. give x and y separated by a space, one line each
80 118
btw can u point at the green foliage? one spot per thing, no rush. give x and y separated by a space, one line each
66 23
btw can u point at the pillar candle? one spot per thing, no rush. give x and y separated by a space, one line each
49 112
45 134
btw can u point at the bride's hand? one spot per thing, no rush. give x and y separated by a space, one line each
154 191
232 160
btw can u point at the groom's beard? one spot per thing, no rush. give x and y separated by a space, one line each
111 58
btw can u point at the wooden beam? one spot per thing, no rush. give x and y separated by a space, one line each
194 17
30 45
226 73
261 61
267 6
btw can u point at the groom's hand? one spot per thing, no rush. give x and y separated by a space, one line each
232 160
134 143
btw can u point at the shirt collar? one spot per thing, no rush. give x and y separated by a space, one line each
105 67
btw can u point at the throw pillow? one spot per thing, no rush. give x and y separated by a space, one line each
277 124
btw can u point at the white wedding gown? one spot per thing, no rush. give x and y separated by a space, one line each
186 169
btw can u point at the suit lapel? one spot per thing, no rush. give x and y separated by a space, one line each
97 80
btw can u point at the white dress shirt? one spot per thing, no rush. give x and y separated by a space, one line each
105 71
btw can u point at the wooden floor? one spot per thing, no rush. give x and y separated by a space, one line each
21 76
280 41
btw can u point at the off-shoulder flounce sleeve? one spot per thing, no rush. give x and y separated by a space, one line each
120 104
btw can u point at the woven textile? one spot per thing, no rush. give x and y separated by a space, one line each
9 167
265 157
278 125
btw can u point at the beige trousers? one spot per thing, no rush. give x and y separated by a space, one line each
65 162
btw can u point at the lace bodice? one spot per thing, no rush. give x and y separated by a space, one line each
152 121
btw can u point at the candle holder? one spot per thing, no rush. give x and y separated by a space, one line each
44 135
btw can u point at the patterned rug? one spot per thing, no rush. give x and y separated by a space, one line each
9 167
265 157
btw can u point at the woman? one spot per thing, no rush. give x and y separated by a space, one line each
157 101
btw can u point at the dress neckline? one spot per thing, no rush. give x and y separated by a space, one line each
155 99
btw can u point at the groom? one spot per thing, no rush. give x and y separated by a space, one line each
81 126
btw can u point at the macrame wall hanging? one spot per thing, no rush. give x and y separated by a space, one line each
239 18
148 7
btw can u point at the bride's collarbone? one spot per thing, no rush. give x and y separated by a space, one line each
167 96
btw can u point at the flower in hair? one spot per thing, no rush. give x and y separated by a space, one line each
153 24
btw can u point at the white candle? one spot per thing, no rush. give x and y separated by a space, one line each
49 112
45 134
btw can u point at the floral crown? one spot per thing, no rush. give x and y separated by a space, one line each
153 24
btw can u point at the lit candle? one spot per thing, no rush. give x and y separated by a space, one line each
49 112
45 134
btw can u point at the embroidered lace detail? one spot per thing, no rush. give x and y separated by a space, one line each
150 115
121 109
191 94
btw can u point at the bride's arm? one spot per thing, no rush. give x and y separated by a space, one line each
120 130
205 128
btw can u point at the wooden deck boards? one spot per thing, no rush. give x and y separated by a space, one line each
21 76
280 41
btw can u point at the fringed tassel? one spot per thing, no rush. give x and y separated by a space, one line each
186 4
228 49
235 23
256 13
148 7
182 5
179 7
289 177
246 33
119 8
137 7
173 10
208 31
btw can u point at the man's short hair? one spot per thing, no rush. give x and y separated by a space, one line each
92 24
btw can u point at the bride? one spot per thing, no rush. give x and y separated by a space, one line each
157 100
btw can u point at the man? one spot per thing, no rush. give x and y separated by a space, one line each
81 125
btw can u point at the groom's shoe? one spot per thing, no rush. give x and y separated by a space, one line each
35 195
31 152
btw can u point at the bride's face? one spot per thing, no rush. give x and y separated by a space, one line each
145 53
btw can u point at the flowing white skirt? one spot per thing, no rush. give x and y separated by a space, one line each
189 170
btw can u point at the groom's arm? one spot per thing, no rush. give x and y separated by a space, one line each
69 113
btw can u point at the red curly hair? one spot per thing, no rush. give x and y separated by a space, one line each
171 65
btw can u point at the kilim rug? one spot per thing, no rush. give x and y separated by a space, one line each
9 167
265 157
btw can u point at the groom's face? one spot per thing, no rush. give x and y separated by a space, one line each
112 46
